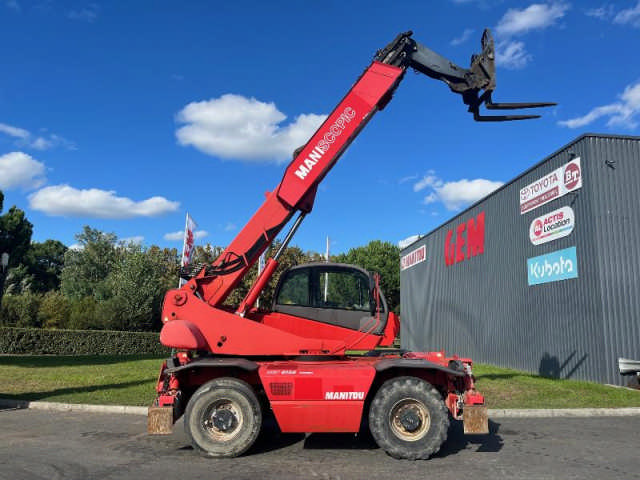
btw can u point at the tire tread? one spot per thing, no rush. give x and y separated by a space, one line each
439 414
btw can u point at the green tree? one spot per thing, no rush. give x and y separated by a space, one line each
9 315
86 268
15 235
381 257
15 238
137 283
82 315
206 254
39 270
54 310
27 306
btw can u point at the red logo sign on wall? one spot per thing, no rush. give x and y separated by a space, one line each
468 241
415 256
554 185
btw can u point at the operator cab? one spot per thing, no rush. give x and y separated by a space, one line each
333 293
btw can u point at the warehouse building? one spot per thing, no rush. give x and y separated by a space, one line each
541 275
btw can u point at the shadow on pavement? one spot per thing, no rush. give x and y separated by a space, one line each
272 439
457 440
340 441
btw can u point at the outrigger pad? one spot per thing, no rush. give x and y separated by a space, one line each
475 420
160 420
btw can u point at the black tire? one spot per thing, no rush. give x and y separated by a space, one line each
408 418
223 418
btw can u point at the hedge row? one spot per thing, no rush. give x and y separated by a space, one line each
36 341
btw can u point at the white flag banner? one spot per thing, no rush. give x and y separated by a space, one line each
188 245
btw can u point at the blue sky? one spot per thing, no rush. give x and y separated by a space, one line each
125 115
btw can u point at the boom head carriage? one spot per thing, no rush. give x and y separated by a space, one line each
476 84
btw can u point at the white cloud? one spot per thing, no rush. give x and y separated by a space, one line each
14 131
537 16
24 138
429 180
41 143
179 235
174 236
66 201
629 16
455 195
408 178
405 242
512 55
76 246
463 37
230 227
431 198
86 14
19 170
239 128
604 12
137 239
623 113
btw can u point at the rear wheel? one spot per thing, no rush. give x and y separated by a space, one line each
408 418
223 418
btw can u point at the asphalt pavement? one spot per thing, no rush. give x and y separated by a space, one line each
52 445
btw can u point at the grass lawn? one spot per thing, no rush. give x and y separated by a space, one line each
504 388
103 380
130 380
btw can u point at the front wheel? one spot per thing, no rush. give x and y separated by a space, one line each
408 418
223 418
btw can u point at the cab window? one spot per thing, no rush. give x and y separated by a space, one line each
342 289
295 289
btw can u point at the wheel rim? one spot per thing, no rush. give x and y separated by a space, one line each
222 420
409 419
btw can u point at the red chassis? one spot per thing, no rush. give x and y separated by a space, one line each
323 395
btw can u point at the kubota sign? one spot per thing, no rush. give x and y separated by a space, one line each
552 267
466 242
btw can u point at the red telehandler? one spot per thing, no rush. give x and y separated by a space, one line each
233 366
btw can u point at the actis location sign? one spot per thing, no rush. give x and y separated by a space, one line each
553 225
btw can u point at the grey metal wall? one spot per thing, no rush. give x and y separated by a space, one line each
484 308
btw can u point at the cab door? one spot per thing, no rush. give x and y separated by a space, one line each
334 294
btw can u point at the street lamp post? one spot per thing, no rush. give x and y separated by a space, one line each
4 262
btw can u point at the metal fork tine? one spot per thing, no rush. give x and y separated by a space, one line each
502 118
517 106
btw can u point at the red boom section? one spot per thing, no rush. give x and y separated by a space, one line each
345 122
297 189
